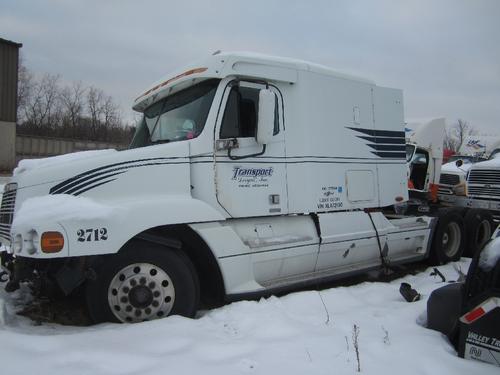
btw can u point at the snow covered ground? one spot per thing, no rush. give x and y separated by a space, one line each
307 332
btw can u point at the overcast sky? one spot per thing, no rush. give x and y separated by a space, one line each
445 55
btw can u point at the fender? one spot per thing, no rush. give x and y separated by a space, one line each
125 219
134 217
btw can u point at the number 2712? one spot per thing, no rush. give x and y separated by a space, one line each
99 234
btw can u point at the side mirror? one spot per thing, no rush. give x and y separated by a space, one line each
265 120
459 163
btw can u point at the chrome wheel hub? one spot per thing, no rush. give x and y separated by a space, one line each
451 239
139 292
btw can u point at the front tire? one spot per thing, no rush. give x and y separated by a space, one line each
143 281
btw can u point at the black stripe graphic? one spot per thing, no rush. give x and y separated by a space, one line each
380 133
88 182
394 155
93 186
384 140
86 174
69 187
377 147
75 183
388 144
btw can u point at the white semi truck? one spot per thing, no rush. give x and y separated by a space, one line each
453 183
482 188
247 175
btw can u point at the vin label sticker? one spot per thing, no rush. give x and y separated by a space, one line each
331 198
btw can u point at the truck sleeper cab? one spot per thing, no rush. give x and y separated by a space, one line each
247 175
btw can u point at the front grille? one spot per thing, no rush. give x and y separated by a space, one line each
484 183
484 176
493 192
7 209
449 179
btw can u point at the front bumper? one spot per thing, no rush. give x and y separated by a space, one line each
47 277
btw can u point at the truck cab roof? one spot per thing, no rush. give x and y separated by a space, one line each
243 64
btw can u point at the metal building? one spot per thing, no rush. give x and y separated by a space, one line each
9 61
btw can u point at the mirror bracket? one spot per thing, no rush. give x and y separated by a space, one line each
226 144
234 157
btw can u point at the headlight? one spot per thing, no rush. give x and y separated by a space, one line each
31 242
18 243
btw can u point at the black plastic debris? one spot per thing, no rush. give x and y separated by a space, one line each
409 294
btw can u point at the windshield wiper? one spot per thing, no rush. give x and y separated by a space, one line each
159 141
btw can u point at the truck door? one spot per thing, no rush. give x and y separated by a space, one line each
250 178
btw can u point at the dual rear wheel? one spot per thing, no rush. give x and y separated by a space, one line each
448 241
460 232
479 227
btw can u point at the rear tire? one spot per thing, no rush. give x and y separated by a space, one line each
144 281
448 240
479 228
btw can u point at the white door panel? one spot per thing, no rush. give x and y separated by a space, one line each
250 178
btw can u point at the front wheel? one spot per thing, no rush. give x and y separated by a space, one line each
143 282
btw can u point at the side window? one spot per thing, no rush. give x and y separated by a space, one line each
240 115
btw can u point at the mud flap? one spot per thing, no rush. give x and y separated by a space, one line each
480 332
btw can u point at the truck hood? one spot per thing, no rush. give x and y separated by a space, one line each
56 170
452 168
489 164
430 136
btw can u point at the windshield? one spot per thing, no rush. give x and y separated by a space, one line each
178 117
495 154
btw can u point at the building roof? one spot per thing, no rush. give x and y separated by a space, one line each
10 42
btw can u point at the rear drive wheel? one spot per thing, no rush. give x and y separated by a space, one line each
448 241
479 228
143 282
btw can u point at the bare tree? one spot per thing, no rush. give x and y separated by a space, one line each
24 88
41 108
462 130
74 111
450 142
111 113
95 103
455 137
72 98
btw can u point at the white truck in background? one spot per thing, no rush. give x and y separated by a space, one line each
453 180
472 181
247 175
483 178
433 186
482 188
476 148
424 155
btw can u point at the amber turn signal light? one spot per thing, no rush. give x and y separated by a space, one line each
52 242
